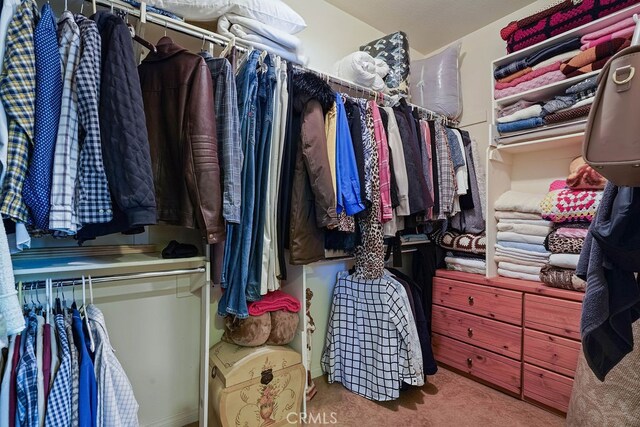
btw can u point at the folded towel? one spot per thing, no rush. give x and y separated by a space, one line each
525 113
593 54
584 85
533 122
564 260
519 260
522 255
274 301
622 33
568 205
535 222
510 215
507 236
568 114
518 201
519 268
558 58
363 69
529 247
466 269
610 29
531 230
543 80
512 77
562 278
517 275
529 76
467 262
512 108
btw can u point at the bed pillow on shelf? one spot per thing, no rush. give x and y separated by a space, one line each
269 12
394 50
436 82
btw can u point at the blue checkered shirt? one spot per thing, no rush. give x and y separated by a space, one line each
59 401
117 406
62 216
27 378
17 90
92 192
37 184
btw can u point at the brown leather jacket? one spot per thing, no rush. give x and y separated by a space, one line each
178 101
313 200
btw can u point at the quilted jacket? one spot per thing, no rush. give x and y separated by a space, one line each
125 146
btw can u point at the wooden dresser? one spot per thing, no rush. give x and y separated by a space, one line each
519 336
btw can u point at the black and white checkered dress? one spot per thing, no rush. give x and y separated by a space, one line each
372 343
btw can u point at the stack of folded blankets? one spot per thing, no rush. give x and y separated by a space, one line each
465 251
571 205
520 251
558 18
559 113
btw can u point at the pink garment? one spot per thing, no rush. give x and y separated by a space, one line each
427 139
617 26
274 301
529 76
386 210
543 80
573 233
623 33
558 184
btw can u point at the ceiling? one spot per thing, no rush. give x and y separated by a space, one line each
430 24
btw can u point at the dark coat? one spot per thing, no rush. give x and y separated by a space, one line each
313 200
123 131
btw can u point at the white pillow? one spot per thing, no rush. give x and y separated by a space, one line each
270 12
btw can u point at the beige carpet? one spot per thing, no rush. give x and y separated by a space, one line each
448 400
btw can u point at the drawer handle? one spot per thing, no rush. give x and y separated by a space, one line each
470 300
470 362
470 332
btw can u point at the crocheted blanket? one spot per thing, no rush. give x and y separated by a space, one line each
455 241
567 205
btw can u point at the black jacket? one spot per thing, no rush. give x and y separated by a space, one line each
123 131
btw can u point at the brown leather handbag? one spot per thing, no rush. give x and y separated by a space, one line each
612 139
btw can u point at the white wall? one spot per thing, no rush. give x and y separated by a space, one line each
478 50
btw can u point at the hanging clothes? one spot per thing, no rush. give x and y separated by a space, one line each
27 378
9 8
59 400
87 386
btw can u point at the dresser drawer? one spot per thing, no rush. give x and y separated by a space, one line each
493 303
491 367
551 352
552 315
488 334
546 387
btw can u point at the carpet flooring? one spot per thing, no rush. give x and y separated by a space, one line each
448 400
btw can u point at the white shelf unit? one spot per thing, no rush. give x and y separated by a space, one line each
531 165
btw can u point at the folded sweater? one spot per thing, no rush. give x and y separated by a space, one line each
543 80
525 113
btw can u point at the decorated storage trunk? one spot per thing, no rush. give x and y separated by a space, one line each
255 386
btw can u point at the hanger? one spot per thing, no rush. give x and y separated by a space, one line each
227 49
203 42
85 317
165 28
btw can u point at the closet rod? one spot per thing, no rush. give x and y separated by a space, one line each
40 284
427 114
242 46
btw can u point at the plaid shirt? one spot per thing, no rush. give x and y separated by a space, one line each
446 174
37 185
62 216
75 371
27 378
372 342
59 401
511 68
92 192
586 94
17 89
228 130
117 406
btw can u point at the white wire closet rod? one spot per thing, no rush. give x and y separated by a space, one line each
40 284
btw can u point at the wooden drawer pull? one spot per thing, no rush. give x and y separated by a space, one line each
470 332
470 362
470 300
